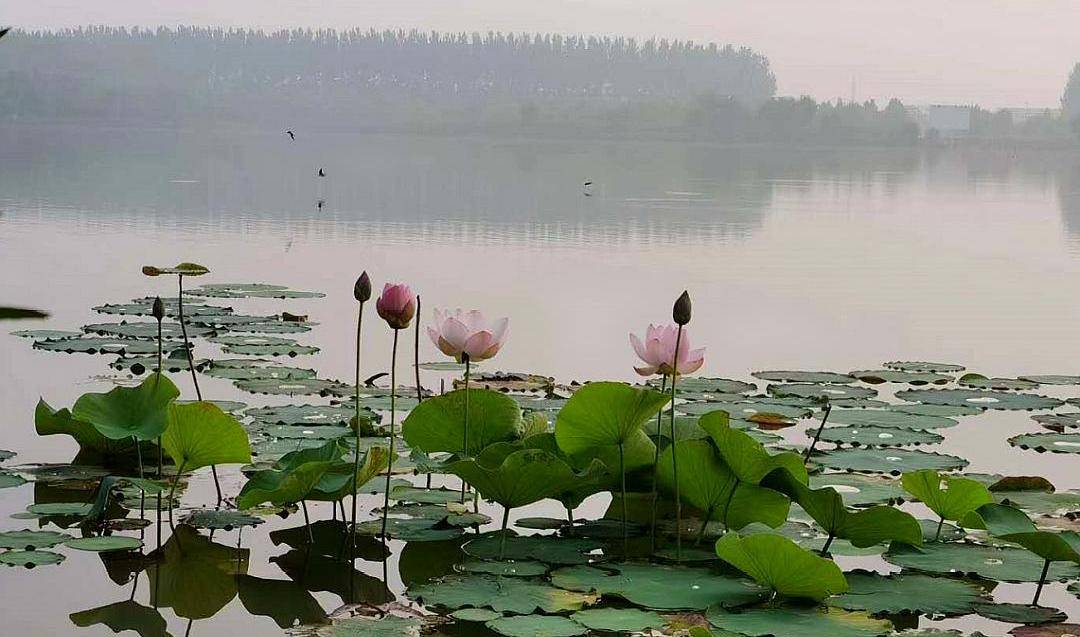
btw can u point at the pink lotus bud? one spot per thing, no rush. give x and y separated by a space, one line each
396 305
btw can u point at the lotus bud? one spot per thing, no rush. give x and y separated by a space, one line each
681 312
362 288
396 305
158 312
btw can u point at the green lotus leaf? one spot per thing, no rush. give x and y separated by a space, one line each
948 411
821 392
1051 504
252 290
950 497
284 601
888 418
887 460
604 414
102 345
878 376
30 540
502 594
536 626
540 548
1051 379
746 457
745 409
475 614
60 509
804 377
385 626
234 323
703 385
49 422
1052 442
327 432
783 621
270 450
104 543
859 403
137 412
145 330
257 369
860 490
1002 564
291 386
139 365
427 496
8 480
541 524
1020 613
987 399
660 586
1058 422
782 566
45 335
978 381
122 616
344 478
30 559
631 620
1012 525
195 576
183 269
515 477
438 423
302 414
223 519
293 478
872 436
411 529
923 366
200 434
228 406
863 528
262 346
511 568
903 593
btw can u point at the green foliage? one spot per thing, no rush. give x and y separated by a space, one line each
659 586
782 566
1013 525
194 576
50 422
293 478
129 412
514 477
950 497
605 414
438 423
199 434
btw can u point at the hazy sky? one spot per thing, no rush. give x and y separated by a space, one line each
993 52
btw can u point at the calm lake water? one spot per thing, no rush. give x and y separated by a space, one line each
795 259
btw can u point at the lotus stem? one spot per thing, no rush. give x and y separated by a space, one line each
142 474
622 480
159 346
570 516
656 461
191 365
356 431
465 438
393 415
704 525
307 522
502 536
828 543
674 446
416 353
1042 580
817 434
172 491
937 534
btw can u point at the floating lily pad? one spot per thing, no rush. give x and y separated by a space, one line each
947 411
252 290
1020 613
978 381
698 385
411 529
104 543
924 366
291 386
30 559
232 322
619 619
503 594
780 621
1046 630
271 327
139 365
145 330
323 432
79 509
475 614
660 586
878 376
8 480
870 436
1051 379
860 490
1053 504
888 418
744 410
803 377
31 540
444 366
224 519
979 398
524 568
821 391
858 403
540 523
254 369
94 345
262 345
536 626
1002 564
540 548
303 414
427 496
509 382
46 335
891 461
921 594
1058 422
1052 442
6 455
386 626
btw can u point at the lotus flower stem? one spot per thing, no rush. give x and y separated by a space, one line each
622 479
307 522
674 443
465 437
191 365
502 536
656 461
817 434
356 428
1042 580
393 415
416 354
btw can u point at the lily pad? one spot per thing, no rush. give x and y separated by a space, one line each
94 345
30 559
978 381
475 614
878 376
822 391
1051 379
536 626
870 436
46 335
425 496
223 519
979 398
139 365
619 619
1020 613
502 594
318 432
509 382
539 548
8 480
780 621
303 414
523 568
386 626
744 410
947 411
104 543
1046 630
145 330
920 594
888 460
254 369
48 509
1058 422
183 269
700 385
924 366
660 586
252 290
438 424
262 345
291 386
803 377
31 540
888 418
860 490
1052 442
540 523
1002 564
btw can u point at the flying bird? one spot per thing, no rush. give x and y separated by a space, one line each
322 173
291 135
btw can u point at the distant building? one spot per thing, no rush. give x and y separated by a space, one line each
948 121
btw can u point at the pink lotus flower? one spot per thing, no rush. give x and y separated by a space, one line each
658 351
396 305
467 333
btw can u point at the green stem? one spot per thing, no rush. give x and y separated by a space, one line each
674 446
704 525
828 543
1042 580
307 522
817 434
622 478
570 516
356 430
937 534
656 462
172 490
191 365
416 353
393 415
159 346
502 536
465 437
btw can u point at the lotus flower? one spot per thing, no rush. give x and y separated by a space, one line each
658 351
396 305
467 334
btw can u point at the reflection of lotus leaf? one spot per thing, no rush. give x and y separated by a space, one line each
1052 442
536 626
804 377
895 594
870 436
194 576
284 601
1002 564
987 399
923 366
782 621
121 616
821 392
887 460
503 594
660 587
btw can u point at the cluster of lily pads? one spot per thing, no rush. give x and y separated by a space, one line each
716 524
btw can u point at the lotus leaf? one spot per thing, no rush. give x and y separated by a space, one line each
1052 504
540 548
121 616
104 543
60 509
536 626
901 593
428 496
291 386
1052 442
1046 630
303 414
475 614
252 290
31 540
511 568
542 524
745 410
987 399
255 369
978 381
510 382
228 406
878 376
1020 613
872 436
30 559
200 434
144 330
660 586
411 529
194 576
1058 422
233 322
45 335
950 497
137 412
888 460
782 621
183 269
821 391
782 566
605 414
502 594
1012 525
438 424
284 601
223 519
1002 564
804 377
923 366
947 411
321 432
262 345
93 345
858 403
701 385
386 626
8 480
618 619
888 418
860 490
293 478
